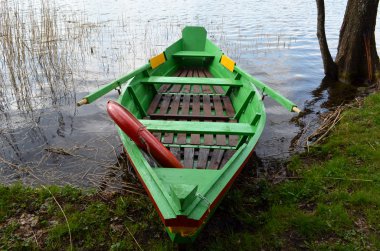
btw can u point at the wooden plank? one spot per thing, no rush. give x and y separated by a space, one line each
188 157
233 140
207 73
203 158
181 138
153 106
204 54
199 127
218 106
176 151
195 139
196 110
208 140
230 111
157 135
227 156
196 89
207 89
187 88
196 73
164 88
165 104
168 138
191 81
185 105
219 90
176 88
185 109
174 106
136 100
221 140
189 117
244 105
196 107
206 105
216 158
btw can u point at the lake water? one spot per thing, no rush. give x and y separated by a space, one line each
80 45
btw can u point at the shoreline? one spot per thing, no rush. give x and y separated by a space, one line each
328 198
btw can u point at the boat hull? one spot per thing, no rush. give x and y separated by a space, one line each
182 229
208 115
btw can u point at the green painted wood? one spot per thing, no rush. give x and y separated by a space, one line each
204 54
183 194
156 187
114 84
210 183
191 81
255 119
244 105
194 38
137 101
199 127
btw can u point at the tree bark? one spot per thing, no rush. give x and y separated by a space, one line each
357 58
331 69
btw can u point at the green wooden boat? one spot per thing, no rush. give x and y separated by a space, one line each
208 112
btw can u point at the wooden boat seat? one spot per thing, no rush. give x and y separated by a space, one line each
199 127
193 54
192 81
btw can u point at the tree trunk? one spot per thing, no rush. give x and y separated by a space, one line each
357 57
330 67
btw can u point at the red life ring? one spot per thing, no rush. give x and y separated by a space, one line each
141 136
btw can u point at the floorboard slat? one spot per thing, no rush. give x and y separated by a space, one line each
176 152
218 106
165 104
216 158
188 157
174 106
164 88
196 110
153 106
230 111
203 158
227 156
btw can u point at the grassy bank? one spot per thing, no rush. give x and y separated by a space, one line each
331 200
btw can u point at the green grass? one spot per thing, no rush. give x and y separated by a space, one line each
332 202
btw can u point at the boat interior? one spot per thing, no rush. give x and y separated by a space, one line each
196 83
175 102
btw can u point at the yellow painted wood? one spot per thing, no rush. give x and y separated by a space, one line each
157 60
296 109
228 63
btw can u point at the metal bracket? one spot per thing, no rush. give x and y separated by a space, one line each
118 88
263 95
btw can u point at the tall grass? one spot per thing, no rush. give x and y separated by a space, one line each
38 57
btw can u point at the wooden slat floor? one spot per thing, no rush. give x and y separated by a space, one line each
195 103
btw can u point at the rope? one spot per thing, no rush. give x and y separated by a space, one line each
142 140
205 200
